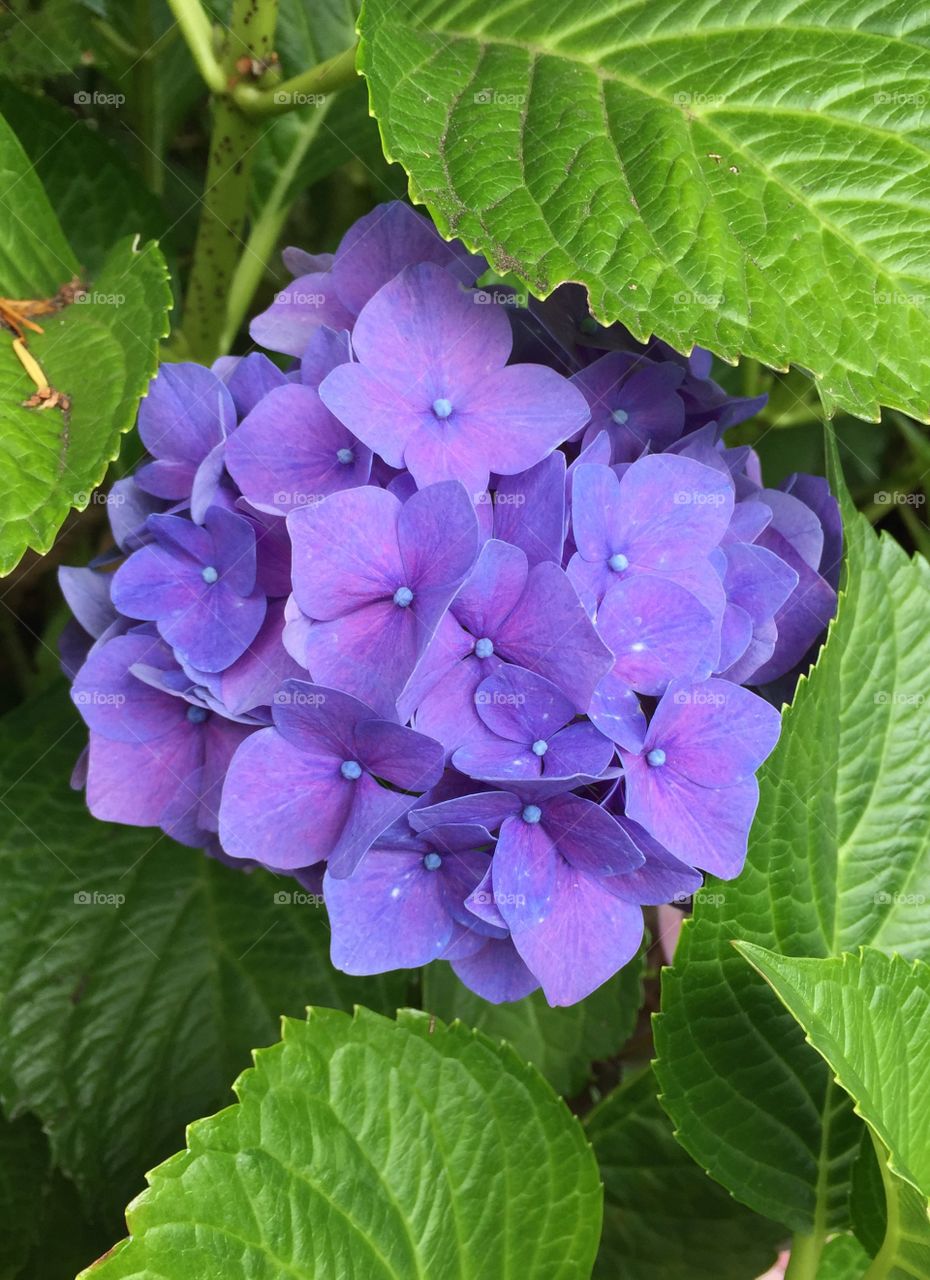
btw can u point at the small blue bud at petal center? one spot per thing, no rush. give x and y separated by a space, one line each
403 596
532 813
484 647
350 769
618 562
209 574
620 416
196 715
432 861
655 757
442 407
345 456
540 747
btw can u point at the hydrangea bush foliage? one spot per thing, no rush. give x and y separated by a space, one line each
490 702
454 617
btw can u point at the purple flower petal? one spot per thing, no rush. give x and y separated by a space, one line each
298 309
656 631
496 972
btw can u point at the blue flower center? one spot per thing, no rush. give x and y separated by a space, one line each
655 757
620 416
484 647
532 813
209 574
350 769
540 747
196 715
345 456
442 407
403 597
432 861
618 562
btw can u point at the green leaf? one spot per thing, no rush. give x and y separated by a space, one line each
135 975
101 352
43 1234
868 1016
561 1043
839 855
663 1216
748 178
375 1149
843 1258
91 185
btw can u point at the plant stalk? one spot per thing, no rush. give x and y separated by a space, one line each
325 78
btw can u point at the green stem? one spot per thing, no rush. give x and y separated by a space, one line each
221 233
149 111
265 232
325 78
198 33
805 1256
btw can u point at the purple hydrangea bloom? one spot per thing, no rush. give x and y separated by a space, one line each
452 619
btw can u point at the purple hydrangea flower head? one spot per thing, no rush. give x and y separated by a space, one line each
197 584
310 788
432 387
451 619
376 575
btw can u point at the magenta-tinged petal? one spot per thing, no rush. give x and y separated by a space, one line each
301 263
373 809
616 711
383 242
221 738
346 552
497 759
656 630
447 647
597 516
714 732
588 837
253 679
578 749
187 411
291 452
403 757
114 703
388 915
382 410
317 720
371 653
234 554
326 350
496 972
298 309
486 809
706 827
154 582
673 510
280 806
597 930
529 509
133 782
549 632
492 589
521 706
215 628
661 878
524 871
447 712
437 531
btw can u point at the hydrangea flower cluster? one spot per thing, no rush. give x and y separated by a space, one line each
451 617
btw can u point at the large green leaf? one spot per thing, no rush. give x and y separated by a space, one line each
868 1016
751 178
663 1216
839 856
562 1043
135 975
101 352
389 1151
